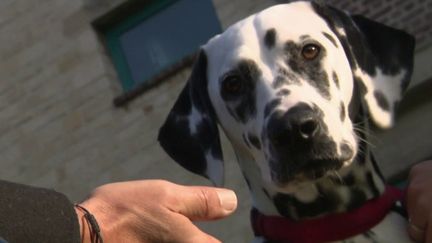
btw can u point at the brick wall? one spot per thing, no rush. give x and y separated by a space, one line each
58 128
413 16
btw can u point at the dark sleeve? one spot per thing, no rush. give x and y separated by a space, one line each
31 214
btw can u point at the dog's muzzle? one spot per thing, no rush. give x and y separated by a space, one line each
300 147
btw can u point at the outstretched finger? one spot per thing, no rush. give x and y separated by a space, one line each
204 203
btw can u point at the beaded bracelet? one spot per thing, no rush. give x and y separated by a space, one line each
95 233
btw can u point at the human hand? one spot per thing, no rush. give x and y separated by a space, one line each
419 202
155 211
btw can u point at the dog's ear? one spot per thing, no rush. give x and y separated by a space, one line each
190 133
385 79
381 58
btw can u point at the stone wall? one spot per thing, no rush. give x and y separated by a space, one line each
58 127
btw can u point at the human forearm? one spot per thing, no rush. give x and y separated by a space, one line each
31 214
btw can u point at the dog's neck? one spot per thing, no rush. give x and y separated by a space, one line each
347 189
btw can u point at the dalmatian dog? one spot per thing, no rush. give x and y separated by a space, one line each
296 88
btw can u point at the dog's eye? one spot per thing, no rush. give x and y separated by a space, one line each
232 84
310 51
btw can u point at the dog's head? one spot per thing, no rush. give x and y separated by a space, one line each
286 85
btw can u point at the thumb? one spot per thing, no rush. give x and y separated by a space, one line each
205 203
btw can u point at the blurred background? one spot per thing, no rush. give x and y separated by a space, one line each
86 84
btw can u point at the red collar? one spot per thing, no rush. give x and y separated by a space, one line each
332 227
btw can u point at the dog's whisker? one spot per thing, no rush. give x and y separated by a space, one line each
367 142
337 176
363 131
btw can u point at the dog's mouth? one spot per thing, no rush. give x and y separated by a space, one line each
317 168
319 160
311 170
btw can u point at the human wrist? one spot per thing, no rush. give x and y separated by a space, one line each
83 226
90 230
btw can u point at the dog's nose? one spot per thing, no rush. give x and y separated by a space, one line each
307 128
298 126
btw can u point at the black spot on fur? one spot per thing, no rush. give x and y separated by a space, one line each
270 38
254 141
376 167
369 44
371 183
357 198
271 106
188 152
183 108
284 77
353 42
311 70
362 145
336 79
392 48
266 193
246 141
361 85
201 130
232 113
175 136
342 111
349 179
279 81
290 76
355 109
283 92
243 106
323 204
382 100
331 39
370 234
305 37
247 181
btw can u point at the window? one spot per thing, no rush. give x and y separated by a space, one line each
157 37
